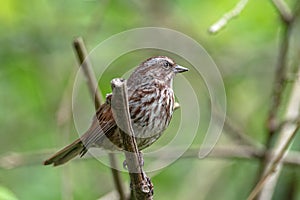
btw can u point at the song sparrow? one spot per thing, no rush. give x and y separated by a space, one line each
151 105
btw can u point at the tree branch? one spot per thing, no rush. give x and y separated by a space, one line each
12 160
286 135
221 23
283 9
87 69
141 185
275 166
280 79
93 87
279 84
236 133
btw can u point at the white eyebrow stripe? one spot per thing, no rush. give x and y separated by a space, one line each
170 61
157 59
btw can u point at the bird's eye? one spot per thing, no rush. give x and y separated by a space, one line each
167 65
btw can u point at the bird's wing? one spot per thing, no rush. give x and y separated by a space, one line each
103 125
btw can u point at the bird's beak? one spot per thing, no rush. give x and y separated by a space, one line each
180 69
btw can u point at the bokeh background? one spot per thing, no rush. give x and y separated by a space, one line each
38 68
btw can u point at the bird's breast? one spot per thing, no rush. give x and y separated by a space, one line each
151 110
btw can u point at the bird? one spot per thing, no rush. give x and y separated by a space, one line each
151 105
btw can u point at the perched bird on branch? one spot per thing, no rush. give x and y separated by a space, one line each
151 105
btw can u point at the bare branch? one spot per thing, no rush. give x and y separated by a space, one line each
283 10
141 185
279 84
236 133
274 168
221 23
87 70
93 87
12 160
280 78
286 135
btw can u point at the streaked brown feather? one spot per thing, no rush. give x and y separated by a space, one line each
151 104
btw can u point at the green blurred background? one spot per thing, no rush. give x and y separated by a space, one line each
38 67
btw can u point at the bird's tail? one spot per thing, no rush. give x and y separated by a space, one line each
67 153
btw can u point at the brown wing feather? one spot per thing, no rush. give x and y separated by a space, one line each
103 126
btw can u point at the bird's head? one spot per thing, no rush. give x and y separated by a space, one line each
159 68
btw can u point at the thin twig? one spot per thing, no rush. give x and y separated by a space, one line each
86 66
221 23
141 185
12 160
276 164
236 133
280 80
95 92
116 176
278 87
279 84
286 135
284 11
